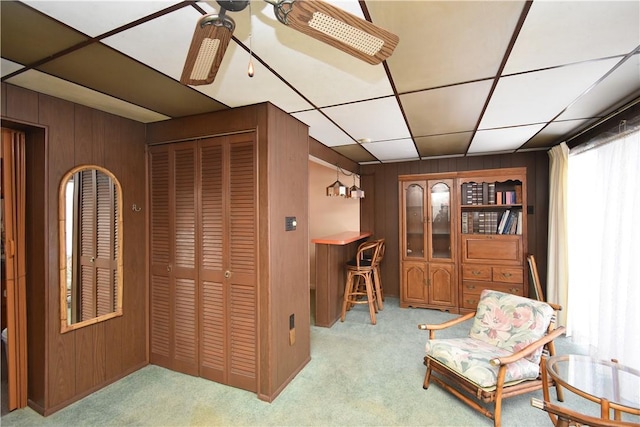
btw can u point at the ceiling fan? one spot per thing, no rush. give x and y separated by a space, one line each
316 18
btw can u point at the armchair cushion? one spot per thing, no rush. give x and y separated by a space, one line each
511 322
470 358
504 324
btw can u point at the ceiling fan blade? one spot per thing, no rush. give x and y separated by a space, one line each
210 41
338 28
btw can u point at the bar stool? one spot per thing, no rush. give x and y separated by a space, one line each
360 287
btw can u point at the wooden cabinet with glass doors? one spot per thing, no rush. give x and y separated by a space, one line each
460 233
427 244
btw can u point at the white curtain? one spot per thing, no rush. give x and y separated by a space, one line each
604 249
557 266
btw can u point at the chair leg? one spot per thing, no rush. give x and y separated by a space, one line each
427 375
371 301
378 288
346 304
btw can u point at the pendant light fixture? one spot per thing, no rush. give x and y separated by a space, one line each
354 191
337 188
341 190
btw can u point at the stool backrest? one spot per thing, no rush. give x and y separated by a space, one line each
367 251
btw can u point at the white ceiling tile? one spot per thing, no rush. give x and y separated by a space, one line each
498 140
7 67
377 120
619 87
385 151
44 83
444 42
563 32
98 17
539 96
445 110
322 129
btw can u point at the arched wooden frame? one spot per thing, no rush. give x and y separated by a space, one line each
65 324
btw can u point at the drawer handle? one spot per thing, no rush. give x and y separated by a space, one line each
515 290
472 301
506 275
476 272
471 286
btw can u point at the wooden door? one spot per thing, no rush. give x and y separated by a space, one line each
414 284
173 291
228 264
15 272
442 285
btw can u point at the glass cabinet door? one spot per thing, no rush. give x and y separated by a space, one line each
440 218
414 217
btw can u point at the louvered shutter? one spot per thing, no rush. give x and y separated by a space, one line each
160 311
97 214
213 357
185 333
243 261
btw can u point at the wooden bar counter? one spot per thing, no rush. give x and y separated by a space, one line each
332 253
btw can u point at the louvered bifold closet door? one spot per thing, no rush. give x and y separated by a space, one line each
98 242
173 291
229 260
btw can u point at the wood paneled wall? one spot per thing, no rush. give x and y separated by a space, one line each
379 209
60 134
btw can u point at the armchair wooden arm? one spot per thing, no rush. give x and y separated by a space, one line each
444 325
528 349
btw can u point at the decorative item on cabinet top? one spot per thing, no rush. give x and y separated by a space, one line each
90 229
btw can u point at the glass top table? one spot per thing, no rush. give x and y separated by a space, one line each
612 385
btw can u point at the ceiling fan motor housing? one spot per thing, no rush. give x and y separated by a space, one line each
233 5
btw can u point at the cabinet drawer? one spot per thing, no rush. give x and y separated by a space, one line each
471 291
507 275
476 272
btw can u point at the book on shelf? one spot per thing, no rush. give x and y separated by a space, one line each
491 196
519 228
465 222
517 194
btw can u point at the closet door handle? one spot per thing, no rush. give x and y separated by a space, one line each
227 274
92 260
169 268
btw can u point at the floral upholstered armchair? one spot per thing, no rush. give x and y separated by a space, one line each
501 356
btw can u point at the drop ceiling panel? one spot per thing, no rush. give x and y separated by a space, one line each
161 43
564 32
323 129
500 140
28 36
443 145
539 96
105 70
235 88
444 42
356 152
388 151
445 110
553 133
98 17
377 120
44 83
7 67
621 86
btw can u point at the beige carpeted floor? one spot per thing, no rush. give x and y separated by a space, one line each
359 374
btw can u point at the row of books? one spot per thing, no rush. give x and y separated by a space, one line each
492 222
487 193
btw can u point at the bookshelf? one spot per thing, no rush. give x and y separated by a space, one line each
481 245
